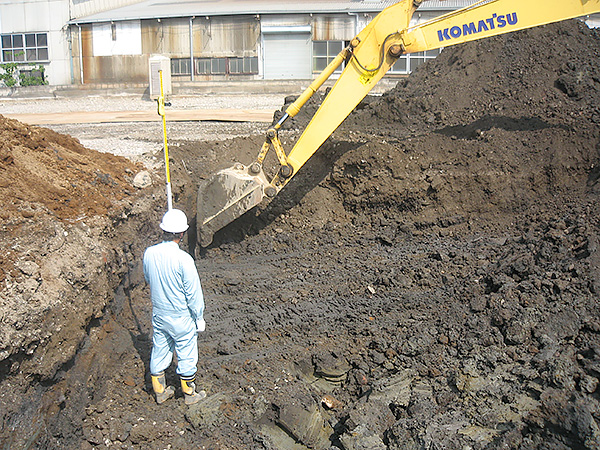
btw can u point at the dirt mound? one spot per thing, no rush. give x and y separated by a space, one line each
48 182
41 167
497 125
518 75
61 206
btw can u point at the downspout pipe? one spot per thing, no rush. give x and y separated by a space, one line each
192 47
80 55
355 15
70 41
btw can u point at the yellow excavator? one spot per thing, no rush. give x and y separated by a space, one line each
231 192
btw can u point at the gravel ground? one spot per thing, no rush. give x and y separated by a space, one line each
143 141
137 103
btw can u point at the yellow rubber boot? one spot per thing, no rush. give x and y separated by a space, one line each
188 386
161 390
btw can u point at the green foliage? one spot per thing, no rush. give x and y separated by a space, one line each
34 78
12 74
9 74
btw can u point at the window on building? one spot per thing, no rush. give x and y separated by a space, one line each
243 65
180 66
26 47
211 66
324 52
222 66
407 63
218 66
203 66
32 77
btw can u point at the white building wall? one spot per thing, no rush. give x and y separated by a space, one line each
285 20
127 38
42 16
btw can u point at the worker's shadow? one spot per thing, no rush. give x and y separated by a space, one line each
127 311
314 172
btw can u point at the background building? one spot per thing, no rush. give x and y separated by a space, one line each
112 41
35 32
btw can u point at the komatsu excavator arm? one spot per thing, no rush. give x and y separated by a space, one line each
231 192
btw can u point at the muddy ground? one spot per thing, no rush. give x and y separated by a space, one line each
429 280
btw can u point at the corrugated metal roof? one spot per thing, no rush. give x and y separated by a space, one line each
150 9
444 5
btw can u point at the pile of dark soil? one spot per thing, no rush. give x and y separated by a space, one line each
429 279
446 239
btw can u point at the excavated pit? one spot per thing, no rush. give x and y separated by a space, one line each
429 280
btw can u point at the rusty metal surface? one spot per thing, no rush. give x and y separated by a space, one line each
110 69
333 28
168 37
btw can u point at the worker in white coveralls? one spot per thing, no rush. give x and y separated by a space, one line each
177 309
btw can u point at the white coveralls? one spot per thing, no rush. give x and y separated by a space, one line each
177 306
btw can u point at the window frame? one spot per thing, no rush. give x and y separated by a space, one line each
18 47
223 65
409 62
249 65
332 49
180 66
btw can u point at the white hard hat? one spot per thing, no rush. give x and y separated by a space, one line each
174 221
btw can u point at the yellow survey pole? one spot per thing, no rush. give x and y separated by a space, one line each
161 112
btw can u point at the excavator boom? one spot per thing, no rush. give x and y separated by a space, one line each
233 191
489 18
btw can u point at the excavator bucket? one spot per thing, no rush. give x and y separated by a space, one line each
225 196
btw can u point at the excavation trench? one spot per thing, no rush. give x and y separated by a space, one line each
429 280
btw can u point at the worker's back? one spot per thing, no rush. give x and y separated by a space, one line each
172 276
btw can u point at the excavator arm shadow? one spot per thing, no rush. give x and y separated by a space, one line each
486 123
